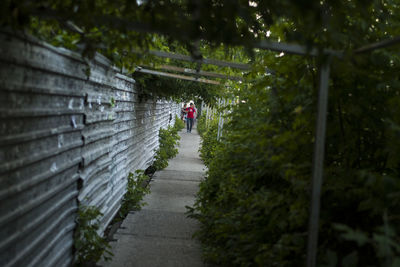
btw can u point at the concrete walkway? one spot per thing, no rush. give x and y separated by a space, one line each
160 234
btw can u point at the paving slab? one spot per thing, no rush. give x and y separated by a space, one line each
161 234
173 187
182 176
144 222
187 164
155 251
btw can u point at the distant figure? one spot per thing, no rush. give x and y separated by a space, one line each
183 113
195 114
190 111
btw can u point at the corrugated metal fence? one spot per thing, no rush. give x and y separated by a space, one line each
64 136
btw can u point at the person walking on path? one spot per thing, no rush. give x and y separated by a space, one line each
190 111
183 113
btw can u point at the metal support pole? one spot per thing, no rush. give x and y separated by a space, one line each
318 166
219 118
207 117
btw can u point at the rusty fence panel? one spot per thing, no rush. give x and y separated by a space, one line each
65 137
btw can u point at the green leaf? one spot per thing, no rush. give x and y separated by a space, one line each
350 260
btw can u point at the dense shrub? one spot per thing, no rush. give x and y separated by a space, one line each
254 204
201 124
169 140
209 141
179 124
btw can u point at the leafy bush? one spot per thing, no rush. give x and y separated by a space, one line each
201 125
89 245
209 141
254 204
136 189
169 139
179 124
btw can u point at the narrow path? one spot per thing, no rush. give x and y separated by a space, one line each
160 234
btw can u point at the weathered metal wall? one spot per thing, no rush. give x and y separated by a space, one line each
64 136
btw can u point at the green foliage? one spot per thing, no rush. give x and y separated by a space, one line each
150 86
169 139
254 204
209 141
62 26
383 241
136 189
221 29
110 25
112 102
89 245
201 125
178 125
252 210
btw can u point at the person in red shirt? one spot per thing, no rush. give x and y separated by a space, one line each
190 111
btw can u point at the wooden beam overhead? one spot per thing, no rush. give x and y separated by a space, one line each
295 49
202 73
176 76
377 45
286 48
